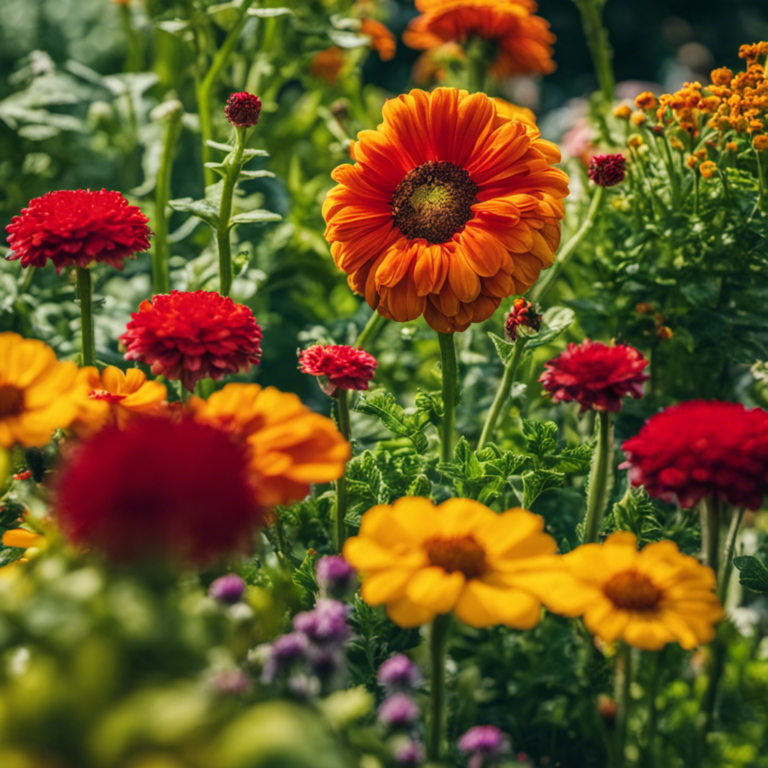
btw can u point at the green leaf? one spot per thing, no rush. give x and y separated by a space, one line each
254 217
466 462
752 573
256 175
304 575
555 320
268 13
345 39
223 147
541 436
420 486
536 481
207 209
701 291
431 405
384 407
504 348
574 459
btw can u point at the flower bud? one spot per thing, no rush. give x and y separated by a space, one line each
227 589
335 576
243 109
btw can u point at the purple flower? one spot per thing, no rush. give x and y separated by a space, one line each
484 741
231 682
284 653
325 662
335 575
227 589
325 624
399 674
408 753
398 711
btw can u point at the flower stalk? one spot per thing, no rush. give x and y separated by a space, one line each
599 46
600 477
729 547
340 508
85 298
438 640
370 331
623 699
450 394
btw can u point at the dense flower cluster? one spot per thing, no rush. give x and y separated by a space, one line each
607 170
702 448
243 109
77 227
193 335
338 366
522 313
482 743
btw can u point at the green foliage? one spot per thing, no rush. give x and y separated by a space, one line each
384 407
752 573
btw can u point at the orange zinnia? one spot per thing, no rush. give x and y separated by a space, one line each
523 41
450 208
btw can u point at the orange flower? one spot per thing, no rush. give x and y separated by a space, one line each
382 40
450 208
291 446
328 64
523 41
512 111
707 169
115 397
432 65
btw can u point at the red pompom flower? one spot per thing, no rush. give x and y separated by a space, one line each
522 313
702 448
243 109
607 170
595 375
162 489
76 227
338 366
193 335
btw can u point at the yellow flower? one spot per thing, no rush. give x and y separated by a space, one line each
421 560
646 100
622 111
639 118
647 598
115 397
707 169
37 392
23 539
760 142
635 141
291 446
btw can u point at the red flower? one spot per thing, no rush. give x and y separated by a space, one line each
522 313
607 170
338 366
193 335
243 109
595 375
160 488
702 448
76 227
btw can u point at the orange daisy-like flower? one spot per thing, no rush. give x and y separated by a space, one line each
382 40
450 208
523 41
290 445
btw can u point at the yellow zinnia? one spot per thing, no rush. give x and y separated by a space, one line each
37 392
647 598
421 560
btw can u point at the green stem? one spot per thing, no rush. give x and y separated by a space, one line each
340 508
695 193
673 179
567 251
233 164
624 676
161 278
600 477
762 199
710 532
438 637
599 46
281 552
26 280
371 330
85 296
652 722
510 371
728 549
450 394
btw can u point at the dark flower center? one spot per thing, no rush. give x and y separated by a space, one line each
434 201
11 400
632 591
460 553
109 397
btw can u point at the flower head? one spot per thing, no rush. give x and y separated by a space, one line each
522 313
398 711
595 376
450 208
485 741
227 589
421 560
607 170
243 109
161 488
702 448
325 624
647 598
338 366
408 753
507 109
193 335
77 227
399 674
335 576
382 40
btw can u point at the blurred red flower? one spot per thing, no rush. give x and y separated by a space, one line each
522 313
338 366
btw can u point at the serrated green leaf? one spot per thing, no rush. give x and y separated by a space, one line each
504 348
256 175
431 405
384 407
752 573
304 575
466 462
536 481
207 209
254 217
420 486
554 321
573 459
541 436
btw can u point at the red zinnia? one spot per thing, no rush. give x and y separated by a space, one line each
702 448
522 313
595 375
76 227
338 366
160 488
193 335
243 109
607 170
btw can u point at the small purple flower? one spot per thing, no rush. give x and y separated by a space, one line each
227 589
335 575
231 682
398 711
408 753
325 624
484 741
325 662
284 653
399 674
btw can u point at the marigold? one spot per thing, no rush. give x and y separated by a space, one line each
193 335
421 560
622 111
647 598
708 169
646 100
290 446
382 40
523 41
38 394
760 142
450 208
115 397
338 366
77 227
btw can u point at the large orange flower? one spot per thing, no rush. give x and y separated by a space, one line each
523 41
450 208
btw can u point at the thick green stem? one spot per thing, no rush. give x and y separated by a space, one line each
340 509
600 477
85 296
450 394
649 759
710 532
371 330
726 567
438 637
233 164
599 46
510 371
567 251
763 198
624 678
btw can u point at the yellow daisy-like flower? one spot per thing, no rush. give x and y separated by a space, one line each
115 397
647 598
421 560
37 392
291 446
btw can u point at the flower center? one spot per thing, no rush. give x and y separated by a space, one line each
460 553
11 400
102 394
632 591
434 201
